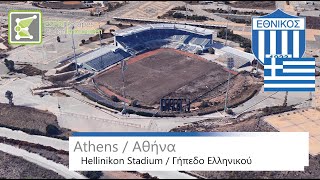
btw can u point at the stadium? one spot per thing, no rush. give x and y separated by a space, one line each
162 66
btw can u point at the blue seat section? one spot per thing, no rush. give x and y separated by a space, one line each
146 40
107 59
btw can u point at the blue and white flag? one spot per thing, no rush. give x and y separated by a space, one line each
289 74
278 42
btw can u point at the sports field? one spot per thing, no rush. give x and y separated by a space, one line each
164 73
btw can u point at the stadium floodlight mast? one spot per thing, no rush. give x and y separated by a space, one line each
44 60
230 66
1 22
123 68
74 52
228 9
100 36
66 25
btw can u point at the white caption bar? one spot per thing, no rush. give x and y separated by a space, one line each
285 151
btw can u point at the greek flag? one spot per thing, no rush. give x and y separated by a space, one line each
289 74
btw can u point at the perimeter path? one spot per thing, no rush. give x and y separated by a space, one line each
41 161
81 114
42 140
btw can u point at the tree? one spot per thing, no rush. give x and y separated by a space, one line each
58 39
9 96
52 130
9 64
83 41
211 50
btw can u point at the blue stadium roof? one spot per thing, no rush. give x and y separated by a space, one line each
140 28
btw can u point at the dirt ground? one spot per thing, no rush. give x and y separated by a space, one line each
242 87
120 175
255 4
313 22
29 70
58 156
12 167
63 5
152 76
250 125
169 73
36 120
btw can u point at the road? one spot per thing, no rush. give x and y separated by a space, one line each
41 161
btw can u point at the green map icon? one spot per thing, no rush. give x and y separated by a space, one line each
25 27
22 27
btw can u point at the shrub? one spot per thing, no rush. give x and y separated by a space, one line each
204 104
199 52
247 49
229 111
114 98
134 103
93 174
52 130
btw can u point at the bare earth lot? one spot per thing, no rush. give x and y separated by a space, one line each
12 167
27 119
255 4
156 74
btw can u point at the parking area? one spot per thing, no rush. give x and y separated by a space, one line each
151 9
300 121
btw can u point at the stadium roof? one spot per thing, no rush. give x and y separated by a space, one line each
140 28
95 53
